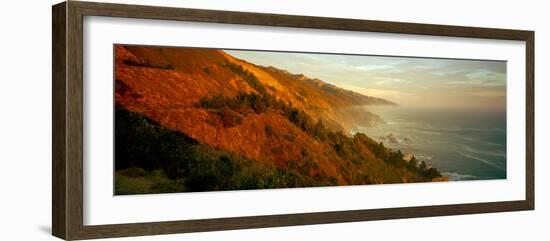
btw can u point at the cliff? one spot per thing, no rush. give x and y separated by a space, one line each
262 114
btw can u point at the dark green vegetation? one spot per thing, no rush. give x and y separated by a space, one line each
147 64
244 102
154 159
247 76
395 158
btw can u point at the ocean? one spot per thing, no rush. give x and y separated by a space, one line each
461 144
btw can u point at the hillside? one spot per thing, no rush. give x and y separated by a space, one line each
262 115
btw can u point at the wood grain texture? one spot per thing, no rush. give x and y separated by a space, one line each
67 78
59 193
279 20
530 120
121 230
74 110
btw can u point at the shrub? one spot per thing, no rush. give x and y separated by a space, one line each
207 71
230 118
320 131
133 172
247 76
290 136
147 64
268 130
277 150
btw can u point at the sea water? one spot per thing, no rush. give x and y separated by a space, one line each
461 144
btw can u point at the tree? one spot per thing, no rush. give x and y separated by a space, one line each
380 151
423 167
433 173
257 104
320 131
412 163
399 158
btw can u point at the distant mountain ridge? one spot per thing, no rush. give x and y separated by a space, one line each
352 96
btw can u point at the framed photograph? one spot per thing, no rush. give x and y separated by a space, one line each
171 120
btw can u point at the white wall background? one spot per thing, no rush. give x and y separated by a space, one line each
25 121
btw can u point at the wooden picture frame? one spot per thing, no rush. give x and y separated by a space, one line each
67 150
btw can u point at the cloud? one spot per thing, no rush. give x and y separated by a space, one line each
382 93
489 93
371 67
404 80
390 80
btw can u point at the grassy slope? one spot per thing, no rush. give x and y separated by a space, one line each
154 159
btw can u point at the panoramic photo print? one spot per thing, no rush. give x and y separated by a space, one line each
197 119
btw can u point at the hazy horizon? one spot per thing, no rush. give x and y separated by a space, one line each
412 82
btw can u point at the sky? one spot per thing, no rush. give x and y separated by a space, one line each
415 82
